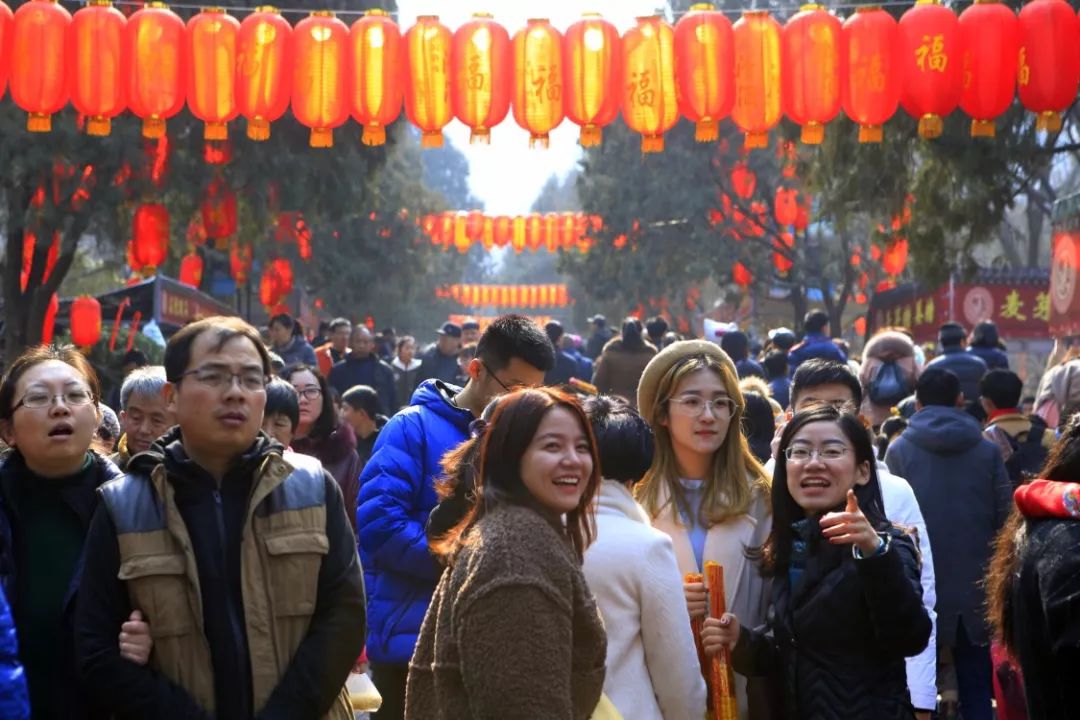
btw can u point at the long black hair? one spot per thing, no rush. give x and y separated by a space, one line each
775 555
327 421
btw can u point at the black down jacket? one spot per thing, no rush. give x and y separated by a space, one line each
838 641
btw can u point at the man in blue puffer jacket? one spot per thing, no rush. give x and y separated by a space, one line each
397 493
14 698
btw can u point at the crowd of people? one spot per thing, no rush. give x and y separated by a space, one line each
513 523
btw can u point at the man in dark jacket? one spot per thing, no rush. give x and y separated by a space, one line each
967 367
363 367
964 492
737 345
565 366
816 342
242 560
440 362
601 334
397 492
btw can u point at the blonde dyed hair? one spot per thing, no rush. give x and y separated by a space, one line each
735 475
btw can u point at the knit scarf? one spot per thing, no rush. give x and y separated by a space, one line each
1049 499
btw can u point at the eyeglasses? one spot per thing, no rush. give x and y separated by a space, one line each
490 372
694 406
221 379
37 399
310 393
801 455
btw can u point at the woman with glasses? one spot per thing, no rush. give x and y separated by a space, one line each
846 594
48 482
322 434
705 488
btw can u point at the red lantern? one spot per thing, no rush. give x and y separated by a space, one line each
85 321
931 62
705 69
150 235
375 82
895 258
29 248
591 75
802 216
7 24
757 76
989 42
263 70
534 231
240 262
480 65
740 275
39 61
785 206
811 70
154 40
474 225
743 180
191 270
318 91
518 237
49 323
1049 63
268 293
503 230
551 231
462 241
427 78
97 42
282 272
219 210
211 70
872 72
649 104
538 80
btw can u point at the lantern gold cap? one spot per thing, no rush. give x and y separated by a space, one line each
755 13
867 8
158 5
322 13
482 15
591 14
422 18
927 2
377 12
267 9
702 7
214 10
538 21
986 2
100 3
810 7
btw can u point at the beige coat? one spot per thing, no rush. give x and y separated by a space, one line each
618 370
746 592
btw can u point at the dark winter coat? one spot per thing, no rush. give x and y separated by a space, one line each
566 367
513 631
82 500
338 455
370 371
994 357
1046 611
815 345
840 635
596 342
967 367
436 366
397 493
297 351
618 369
965 496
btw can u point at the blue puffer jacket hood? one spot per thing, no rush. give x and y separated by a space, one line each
14 698
944 430
397 494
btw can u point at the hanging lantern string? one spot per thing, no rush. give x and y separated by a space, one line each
397 15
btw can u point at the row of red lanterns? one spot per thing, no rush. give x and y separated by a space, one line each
507 296
553 231
704 69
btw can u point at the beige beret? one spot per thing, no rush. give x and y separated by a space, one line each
665 359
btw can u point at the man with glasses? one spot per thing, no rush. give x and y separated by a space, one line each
397 492
242 560
828 382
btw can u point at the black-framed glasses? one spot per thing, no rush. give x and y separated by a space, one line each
694 406
37 399
221 379
312 392
491 372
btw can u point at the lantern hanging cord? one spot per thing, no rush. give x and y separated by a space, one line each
396 14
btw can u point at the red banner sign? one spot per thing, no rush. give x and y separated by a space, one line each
179 307
1020 311
1064 276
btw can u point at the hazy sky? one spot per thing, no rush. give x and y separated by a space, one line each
507 175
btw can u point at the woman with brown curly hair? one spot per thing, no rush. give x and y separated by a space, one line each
1033 587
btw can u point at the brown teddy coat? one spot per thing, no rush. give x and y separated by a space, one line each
512 632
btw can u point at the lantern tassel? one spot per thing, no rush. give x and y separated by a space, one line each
322 138
871 133
1049 121
756 140
480 135
652 143
707 130
591 135
540 141
98 126
215 131
374 135
39 122
930 126
258 129
813 133
432 139
982 128
153 127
